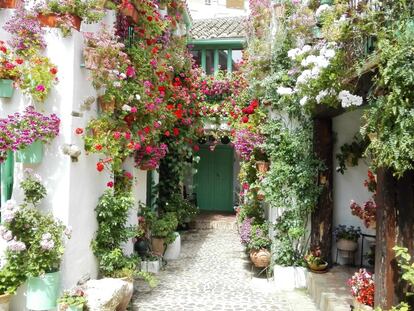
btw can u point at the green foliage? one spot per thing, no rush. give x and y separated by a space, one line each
259 237
73 297
390 120
291 186
33 189
351 153
112 214
251 210
184 210
347 233
164 227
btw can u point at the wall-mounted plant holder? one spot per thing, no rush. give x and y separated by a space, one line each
32 154
6 88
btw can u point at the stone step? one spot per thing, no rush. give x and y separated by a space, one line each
330 290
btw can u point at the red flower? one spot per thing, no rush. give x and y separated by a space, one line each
161 88
19 61
110 184
98 147
149 18
130 72
128 175
148 149
53 71
245 119
179 114
79 131
196 148
176 131
100 166
167 133
147 129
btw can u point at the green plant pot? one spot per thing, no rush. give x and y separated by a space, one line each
43 292
75 308
32 154
6 88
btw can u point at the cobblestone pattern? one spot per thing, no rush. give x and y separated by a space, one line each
214 274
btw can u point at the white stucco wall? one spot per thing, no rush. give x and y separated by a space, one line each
73 187
217 8
350 185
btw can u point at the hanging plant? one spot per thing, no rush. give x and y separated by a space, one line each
351 153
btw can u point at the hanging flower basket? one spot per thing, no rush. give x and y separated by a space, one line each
5 302
32 154
43 292
260 258
107 106
6 88
53 20
262 166
90 57
9 4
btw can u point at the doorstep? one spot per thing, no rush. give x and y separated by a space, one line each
330 290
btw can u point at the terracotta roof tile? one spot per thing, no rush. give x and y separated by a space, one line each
219 28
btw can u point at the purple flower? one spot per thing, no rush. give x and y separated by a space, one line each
40 88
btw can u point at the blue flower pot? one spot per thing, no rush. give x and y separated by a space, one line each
32 154
6 88
43 292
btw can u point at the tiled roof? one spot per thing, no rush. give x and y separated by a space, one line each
219 28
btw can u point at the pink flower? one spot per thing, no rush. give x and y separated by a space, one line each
110 184
127 135
117 135
130 72
148 149
128 175
134 109
137 146
40 88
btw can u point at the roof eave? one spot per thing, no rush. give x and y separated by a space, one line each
229 42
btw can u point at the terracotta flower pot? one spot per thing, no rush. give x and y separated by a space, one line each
5 302
260 257
105 105
262 166
361 307
347 245
9 4
53 20
316 267
158 246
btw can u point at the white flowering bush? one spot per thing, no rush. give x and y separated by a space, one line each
33 237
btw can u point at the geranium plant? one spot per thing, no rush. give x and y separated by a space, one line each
34 190
9 63
259 237
72 298
363 287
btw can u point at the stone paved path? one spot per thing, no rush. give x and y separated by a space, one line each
213 274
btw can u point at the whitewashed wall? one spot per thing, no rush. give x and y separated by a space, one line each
73 187
217 8
350 185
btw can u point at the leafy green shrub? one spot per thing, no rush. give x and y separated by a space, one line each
164 227
33 189
184 210
259 237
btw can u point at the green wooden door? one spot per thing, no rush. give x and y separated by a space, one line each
214 179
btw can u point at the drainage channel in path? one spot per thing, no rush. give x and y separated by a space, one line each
213 274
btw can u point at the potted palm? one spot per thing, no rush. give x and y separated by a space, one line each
259 245
72 300
347 238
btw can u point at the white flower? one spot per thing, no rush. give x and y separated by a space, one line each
16 246
116 72
122 76
315 72
321 95
9 210
306 48
47 245
311 59
117 84
284 90
347 99
329 53
321 62
138 97
303 101
46 236
7 235
322 9
126 108
293 53
304 77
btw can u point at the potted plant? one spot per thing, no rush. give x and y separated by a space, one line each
72 300
162 231
69 14
151 263
315 262
9 71
259 245
347 238
22 130
362 289
9 4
